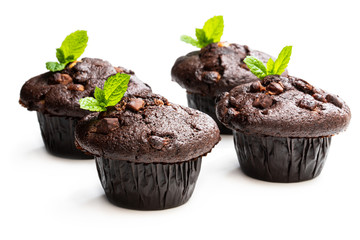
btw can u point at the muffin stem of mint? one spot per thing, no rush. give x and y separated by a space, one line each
216 68
148 152
282 125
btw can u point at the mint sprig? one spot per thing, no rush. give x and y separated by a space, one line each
114 89
210 33
71 49
258 68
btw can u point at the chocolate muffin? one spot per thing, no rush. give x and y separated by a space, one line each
148 151
282 127
55 96
214 69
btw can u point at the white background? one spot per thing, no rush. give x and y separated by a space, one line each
45 197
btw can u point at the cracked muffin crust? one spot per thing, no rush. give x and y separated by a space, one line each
283 107
148 130
58 93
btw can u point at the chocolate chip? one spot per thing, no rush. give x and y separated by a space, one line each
76 87
307 104
119 70
263 102
274 88
61 78
135 104
319 97
256 87
210 77
244 66
158 102
332 98
223 44
271 78
304 86
158 142
106 125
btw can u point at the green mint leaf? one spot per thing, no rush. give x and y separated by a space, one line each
115 88
70 58
190 40
270 67
256 66
282 60
214 28
71 49
54 66
99 95
210 33
74 45
201 37
60 55
91 104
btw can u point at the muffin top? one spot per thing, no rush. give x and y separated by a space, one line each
283 107
147 129
216 68
58 93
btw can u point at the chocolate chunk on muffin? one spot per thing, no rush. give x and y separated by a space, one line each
282 127
216 68
148 151
55 96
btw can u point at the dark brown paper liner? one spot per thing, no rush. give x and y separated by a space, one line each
58 136
281 159
206 105
148 186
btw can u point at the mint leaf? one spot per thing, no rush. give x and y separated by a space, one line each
99 94
214 28
115 87
71 49
190 40
270 67
201 36
91 104
256 66
210 33
74 44
282 60
60 55
54 66
202 39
